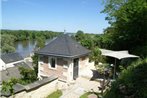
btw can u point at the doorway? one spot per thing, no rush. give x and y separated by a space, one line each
75 68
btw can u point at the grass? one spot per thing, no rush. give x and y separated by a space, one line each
55 94
85 95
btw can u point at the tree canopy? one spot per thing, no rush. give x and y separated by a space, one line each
30 34
7 86
28 75
9 37
128 21
40 42
7 43
127 31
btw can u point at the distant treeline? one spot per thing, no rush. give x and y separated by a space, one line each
30 34
8 37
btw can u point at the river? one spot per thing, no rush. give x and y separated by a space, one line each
25 48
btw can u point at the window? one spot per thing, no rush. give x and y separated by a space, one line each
52 63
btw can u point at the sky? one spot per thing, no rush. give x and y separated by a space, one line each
54 15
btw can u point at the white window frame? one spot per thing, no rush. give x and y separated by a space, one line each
49 60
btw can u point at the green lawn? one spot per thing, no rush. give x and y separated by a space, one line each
55 94
85 95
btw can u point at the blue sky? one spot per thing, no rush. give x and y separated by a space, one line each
55 15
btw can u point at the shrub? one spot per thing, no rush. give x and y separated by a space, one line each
132 82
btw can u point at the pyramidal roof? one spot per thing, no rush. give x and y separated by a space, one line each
64 46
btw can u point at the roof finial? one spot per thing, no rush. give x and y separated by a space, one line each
64 31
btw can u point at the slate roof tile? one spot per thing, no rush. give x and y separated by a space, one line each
64 46
11 57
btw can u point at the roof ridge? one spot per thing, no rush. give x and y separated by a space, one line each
67 44
51 40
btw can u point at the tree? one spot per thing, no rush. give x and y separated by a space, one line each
28 75
35 63
21 35
7 48
88 43
8 86
131 83
40 42
79 35
96 55
7 43
128 21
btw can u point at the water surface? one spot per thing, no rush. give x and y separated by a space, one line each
26 47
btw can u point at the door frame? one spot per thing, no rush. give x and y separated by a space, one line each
74 78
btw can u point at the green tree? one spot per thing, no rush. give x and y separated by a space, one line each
35 63
131 83
28 75
96 55
85 40
21 35
40 42
128 21
7 43
8 86
79 35
7 48
88 43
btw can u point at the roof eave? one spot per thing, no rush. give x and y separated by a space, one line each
61 55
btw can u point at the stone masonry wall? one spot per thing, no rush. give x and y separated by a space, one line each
41 92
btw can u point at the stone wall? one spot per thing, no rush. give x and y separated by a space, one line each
59 71
38 89
83 62
42 91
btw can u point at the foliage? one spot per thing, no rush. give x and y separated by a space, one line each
7 43
96 55
92 42
128 21
35 63
102 68
131 83
8 86
7 48
40 42
79 35
30 34
28 75
9 37
85 95
55 94
87 43
85 39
